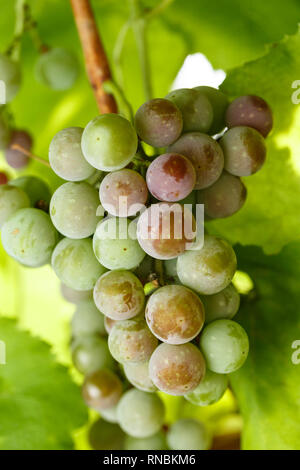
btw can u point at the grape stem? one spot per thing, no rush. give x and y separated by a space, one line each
96 61
159 269
30 155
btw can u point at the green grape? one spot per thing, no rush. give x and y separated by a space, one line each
158 122
224 198
197 112
106 436
224 304
155 442
225 346
138 375
75 264
108 324
252 111
29 237
210 390
11 200
57 69
174 314
66 157
102 389
10 74
36 189
109 142
75 296
87 320
131 341
219 102
140 414
73 209
244 150
188 434
119 295
110 414
210 269
176 369
114 245
91 353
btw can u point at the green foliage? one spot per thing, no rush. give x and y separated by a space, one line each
40 406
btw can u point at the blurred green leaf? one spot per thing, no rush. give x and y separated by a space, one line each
40 406
268 385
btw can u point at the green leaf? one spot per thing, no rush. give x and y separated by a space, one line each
40 406
268 385
268 217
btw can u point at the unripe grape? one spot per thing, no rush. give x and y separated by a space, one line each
219 102
188 434
57 68
10 73
210 269
87 320
158 122
11 200
210 390
225 346
91 353
197 112
175 314
171 177
140 414
110 414
36 189
224 304
155 442
109 142
251 111
119 295
244 150
205 154
16 158
102 389
176 369
138 375
106 436
131 341
75 296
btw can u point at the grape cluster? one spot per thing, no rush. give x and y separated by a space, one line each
153 309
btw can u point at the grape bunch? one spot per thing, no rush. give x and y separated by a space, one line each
154 307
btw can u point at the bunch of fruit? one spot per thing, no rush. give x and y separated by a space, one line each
154 307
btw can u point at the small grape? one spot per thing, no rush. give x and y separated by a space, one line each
114 245
224 304
11 200
171 177
73 209
210 269
219 102
175 314
140 414
108 324
138 375
66 157
244 150
188 434
29 237
87 320
155 442
251 111
75 296
165 229
109 142
5 133
16 158
225 346
119 295
176 369
158 122
205 154
102 389
224 198
123 193
57 69
131 341
3 178
110 414
210 390
10 74
91 353
75 264
36 189
106 436
197 112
